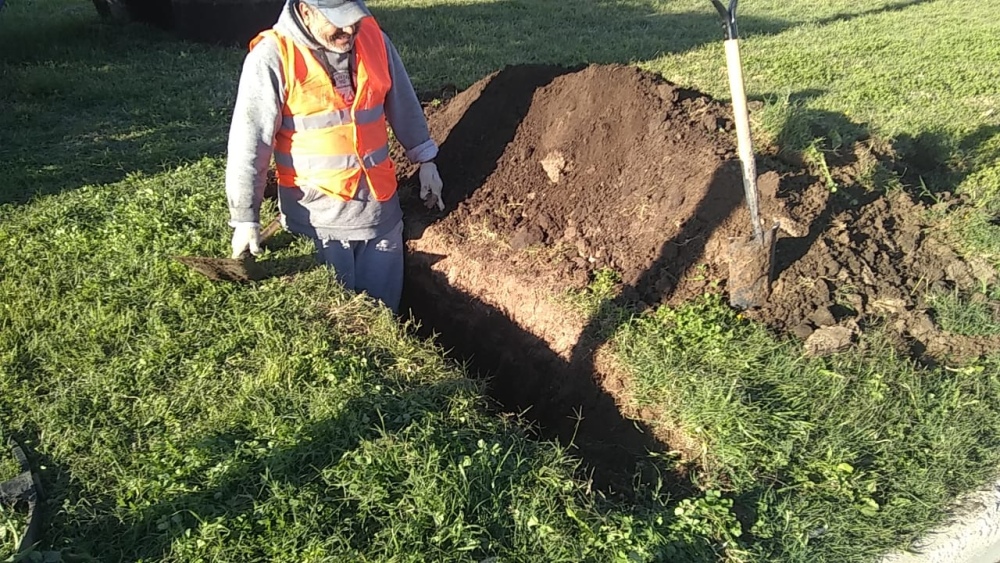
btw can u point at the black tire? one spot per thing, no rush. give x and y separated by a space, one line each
113 10
157 13
224 22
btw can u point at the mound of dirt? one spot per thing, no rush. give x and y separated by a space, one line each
552 173
557 172
599 167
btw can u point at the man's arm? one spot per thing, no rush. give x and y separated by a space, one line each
403 111
256 119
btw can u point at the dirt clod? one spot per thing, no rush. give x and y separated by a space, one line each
829 339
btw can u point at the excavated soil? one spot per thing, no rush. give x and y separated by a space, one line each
552 173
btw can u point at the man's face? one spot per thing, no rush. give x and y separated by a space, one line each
329 36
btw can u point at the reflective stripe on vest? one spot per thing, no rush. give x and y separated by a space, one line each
302 162
323 141
330 119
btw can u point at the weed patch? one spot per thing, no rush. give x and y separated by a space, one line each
977 315
838 458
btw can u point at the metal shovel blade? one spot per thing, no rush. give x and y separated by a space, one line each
751 267
241 270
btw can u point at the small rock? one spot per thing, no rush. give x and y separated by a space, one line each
789 226
979 298
526 236
959 273
668 93
821 291
803 330
984 273
889 305
822 317
855 302
829 340
922 326
554 164
767 184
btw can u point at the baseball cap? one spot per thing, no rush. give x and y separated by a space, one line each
341 13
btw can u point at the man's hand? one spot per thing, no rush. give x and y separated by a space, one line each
430 186
246 236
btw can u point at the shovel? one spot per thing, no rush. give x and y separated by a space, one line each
751 259
245 269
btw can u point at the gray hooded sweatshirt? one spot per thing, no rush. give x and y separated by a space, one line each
257 117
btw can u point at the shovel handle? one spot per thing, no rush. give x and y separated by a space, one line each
734 67
744 142
269 231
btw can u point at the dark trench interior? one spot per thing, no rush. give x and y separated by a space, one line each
561 400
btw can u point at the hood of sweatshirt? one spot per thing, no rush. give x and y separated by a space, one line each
290 25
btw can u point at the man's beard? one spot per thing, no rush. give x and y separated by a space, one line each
338 46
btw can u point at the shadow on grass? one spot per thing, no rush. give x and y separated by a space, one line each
888 9
926 166
87 102
933 163
460 43
149 533
317 485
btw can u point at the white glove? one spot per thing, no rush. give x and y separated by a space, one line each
430 186
246 236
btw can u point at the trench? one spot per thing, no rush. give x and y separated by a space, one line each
560 399
529 154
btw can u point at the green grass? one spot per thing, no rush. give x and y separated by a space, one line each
966 315
837 458
9 467
90 104
12 524
183 420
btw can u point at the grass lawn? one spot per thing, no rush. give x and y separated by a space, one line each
177 419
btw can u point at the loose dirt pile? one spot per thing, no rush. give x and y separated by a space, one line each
553 173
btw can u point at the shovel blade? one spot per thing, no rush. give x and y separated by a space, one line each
224 269
751 266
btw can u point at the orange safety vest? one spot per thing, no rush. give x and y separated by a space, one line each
324 142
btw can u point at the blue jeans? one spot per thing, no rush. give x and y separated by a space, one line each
373 266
